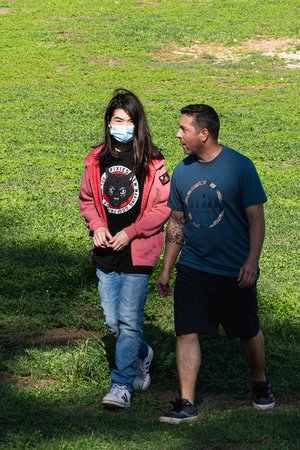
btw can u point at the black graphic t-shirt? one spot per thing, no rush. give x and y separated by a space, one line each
122 194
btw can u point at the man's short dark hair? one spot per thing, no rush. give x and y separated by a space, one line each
204 116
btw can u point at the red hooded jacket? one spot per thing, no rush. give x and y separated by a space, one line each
146 233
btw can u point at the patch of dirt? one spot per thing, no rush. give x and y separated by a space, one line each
63 335
283 48
145 3
29 382
7 376
66 35
4 10
25 381
107 61
58 336
197 50
268 45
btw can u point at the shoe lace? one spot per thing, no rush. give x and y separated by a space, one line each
119 389
142 366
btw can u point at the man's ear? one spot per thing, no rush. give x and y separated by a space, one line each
204 134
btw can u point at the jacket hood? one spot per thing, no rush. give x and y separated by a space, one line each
91 156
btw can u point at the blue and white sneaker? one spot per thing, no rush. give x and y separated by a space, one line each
117 397
142 379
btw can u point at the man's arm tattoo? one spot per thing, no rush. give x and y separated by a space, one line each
175 230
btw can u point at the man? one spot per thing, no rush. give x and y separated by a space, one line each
217 223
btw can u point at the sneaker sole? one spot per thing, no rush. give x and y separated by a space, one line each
263 407
114 404
174 421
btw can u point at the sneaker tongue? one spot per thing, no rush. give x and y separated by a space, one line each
261 388
179 403
185 401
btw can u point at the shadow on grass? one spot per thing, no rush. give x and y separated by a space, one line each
62 415
44 268
45 285
28 421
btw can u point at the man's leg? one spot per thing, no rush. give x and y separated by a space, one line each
188 359
254 349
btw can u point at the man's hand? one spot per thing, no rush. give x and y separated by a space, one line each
247 275
101 237
119 241
248 272
162 284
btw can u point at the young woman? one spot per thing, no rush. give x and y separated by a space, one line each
123 198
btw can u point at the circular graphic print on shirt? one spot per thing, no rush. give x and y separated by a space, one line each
120 189
204 204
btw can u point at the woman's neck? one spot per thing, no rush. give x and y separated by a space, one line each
119 147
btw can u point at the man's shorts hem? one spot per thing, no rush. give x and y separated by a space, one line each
230 336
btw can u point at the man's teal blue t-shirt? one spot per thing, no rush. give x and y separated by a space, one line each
213 197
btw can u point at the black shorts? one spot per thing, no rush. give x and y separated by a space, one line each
203 301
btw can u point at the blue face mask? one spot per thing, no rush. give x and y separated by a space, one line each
122 133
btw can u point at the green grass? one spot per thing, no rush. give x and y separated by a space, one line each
60 62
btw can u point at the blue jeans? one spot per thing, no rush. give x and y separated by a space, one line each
123 297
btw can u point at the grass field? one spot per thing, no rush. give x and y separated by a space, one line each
60 62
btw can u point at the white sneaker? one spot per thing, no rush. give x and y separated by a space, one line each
118 396
142 379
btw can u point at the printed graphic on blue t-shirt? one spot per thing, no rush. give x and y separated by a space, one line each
204 205
213 197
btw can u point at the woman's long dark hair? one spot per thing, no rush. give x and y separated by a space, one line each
144 151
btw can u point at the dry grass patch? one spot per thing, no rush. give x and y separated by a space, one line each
283 48
29 382
66 35
268 45
25 381
64 335
55 336
4 10
146 3
102 60
197 50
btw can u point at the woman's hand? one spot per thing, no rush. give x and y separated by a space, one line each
102 237
119 241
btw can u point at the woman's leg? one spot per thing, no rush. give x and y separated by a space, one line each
131 324
109 291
